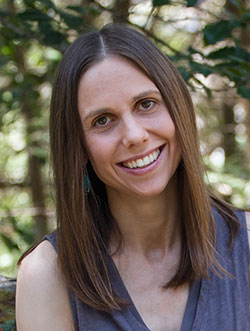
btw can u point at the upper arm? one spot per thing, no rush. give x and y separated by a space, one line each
41 297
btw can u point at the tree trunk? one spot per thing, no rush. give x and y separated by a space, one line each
120 11
229 143
28 108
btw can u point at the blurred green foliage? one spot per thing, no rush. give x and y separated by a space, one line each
209 43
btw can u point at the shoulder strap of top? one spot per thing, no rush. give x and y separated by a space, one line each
52 238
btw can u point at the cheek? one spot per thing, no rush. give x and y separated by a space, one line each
173 141
99 152
96 156
98 163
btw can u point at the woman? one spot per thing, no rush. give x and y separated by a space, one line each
140 244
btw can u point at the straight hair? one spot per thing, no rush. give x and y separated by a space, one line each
84 222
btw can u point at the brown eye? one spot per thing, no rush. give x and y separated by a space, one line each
146 104
102 121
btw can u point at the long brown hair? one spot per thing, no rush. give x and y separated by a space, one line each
84 222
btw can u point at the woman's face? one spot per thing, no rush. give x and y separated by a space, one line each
129 135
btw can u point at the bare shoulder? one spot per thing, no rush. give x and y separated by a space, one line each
41 296
43 256
39 268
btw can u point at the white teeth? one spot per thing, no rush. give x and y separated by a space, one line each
146 160
134 165
151 158
130 165
140 163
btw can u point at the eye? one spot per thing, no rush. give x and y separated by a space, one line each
146 104
102 121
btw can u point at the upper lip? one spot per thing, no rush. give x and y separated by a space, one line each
141 156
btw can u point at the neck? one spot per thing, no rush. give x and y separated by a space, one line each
151 226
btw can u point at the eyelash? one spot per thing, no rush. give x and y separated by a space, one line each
107 116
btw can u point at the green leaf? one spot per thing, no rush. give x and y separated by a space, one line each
94 11
158 3
218 31
33 15
44 27
28 3
53 38
48 3
9 243
71 20
191 3
79 9
244 91
50 36
38 3
201 68
185 74
26 236
230 53
246 17
237 73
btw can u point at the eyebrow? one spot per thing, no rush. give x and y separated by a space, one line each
134 99
145 94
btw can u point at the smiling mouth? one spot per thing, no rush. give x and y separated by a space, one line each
144 162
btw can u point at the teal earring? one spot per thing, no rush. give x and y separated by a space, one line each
86 184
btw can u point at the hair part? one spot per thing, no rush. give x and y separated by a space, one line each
84 222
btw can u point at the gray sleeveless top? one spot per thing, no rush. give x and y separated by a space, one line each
215 304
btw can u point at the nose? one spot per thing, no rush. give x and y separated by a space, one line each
133 132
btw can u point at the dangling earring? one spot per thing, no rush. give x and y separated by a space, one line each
86 183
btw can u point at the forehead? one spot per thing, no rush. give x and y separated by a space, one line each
113 77
112 61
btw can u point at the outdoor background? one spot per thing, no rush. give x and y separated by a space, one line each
208 41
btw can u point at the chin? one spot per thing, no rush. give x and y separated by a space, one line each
150 193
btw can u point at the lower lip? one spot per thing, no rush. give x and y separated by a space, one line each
150 167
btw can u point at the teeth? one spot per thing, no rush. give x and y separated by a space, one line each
134 165
146 160
140 163
130 165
